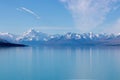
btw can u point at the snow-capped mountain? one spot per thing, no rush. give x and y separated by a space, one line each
32 35
8 37
36 37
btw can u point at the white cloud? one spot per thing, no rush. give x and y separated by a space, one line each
56 28
89 14
28 11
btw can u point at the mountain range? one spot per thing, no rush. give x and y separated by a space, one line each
35 37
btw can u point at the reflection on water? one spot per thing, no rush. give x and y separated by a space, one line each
60 63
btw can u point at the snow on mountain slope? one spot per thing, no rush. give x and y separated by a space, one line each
32 35
8 37
68 38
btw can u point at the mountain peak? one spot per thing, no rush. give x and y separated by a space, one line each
32 30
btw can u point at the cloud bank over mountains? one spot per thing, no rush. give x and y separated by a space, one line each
89 14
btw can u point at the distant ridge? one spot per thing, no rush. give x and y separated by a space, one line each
4 43
11 45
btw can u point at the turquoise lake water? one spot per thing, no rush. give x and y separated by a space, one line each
60 63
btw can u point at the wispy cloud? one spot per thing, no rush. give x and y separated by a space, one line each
56 29
89 14
28 11
114 28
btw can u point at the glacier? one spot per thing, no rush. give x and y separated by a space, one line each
35 37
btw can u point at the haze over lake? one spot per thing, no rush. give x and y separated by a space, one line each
60 63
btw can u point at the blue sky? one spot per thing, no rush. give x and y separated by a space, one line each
59 16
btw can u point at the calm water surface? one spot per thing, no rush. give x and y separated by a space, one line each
60 63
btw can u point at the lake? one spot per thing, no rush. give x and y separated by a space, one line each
60 63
